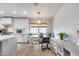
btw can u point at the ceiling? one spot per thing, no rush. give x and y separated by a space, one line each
47 10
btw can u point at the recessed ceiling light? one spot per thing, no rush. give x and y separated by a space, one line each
24 12
14 12
1 12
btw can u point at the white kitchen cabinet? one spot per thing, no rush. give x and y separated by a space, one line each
21 23
8 45
19 38
54 45
22 38
57 46
25 38
6 20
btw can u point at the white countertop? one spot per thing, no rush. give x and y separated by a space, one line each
72 48
4 37
36 36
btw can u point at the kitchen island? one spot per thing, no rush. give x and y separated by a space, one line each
8 45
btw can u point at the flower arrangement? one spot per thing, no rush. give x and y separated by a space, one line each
62 35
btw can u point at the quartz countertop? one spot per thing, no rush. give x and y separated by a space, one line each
4 37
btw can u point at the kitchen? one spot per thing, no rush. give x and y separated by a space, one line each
23 26
19 28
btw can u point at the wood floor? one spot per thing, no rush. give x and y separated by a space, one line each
27 50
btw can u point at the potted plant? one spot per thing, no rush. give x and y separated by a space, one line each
62 35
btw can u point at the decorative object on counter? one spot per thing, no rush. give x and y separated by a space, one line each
62 35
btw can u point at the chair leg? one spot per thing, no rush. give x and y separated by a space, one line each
42 49
49 48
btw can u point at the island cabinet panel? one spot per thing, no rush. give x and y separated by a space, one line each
0 48
8 47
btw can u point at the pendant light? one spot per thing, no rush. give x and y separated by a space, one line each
38 20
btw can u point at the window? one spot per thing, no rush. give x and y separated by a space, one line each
33 30
42 30
36 30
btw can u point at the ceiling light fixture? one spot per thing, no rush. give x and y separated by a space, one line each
14 12
1 12
38 19
24 12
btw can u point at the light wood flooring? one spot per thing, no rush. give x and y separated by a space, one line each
24 49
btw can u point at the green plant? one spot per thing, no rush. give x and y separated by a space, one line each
62 35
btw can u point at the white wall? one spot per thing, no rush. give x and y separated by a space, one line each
49 25
67 20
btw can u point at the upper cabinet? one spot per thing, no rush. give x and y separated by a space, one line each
21 23
6 21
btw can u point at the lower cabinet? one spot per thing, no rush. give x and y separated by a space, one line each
22 38
8 47
54 46
25 38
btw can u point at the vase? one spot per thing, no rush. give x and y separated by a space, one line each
62 44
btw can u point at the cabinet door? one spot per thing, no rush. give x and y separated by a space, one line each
19 38
25 38
78 41
6 21
9 47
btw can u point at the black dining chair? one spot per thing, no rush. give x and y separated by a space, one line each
45 43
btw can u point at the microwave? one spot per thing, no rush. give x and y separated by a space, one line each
19 31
